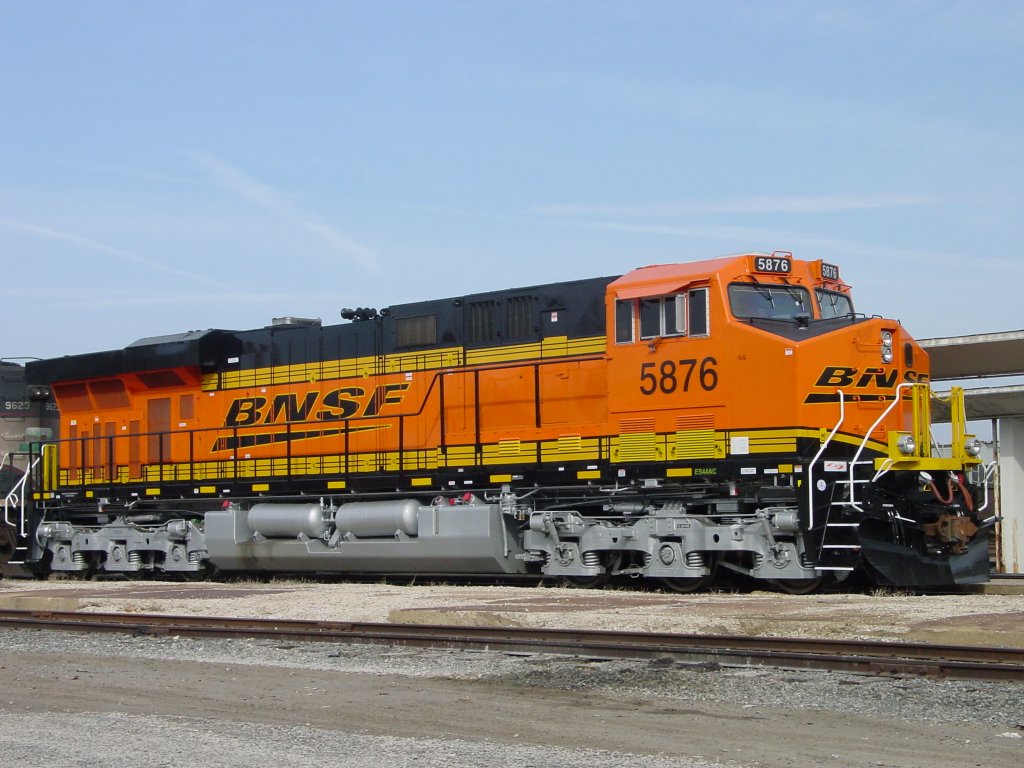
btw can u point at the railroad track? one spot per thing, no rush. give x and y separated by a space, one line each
859 656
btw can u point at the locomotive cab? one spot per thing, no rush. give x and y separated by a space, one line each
763 376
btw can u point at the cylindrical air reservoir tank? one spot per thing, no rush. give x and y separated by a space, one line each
287 521
370 519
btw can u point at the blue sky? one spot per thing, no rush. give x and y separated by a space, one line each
170 166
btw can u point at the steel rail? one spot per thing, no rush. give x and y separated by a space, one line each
858 656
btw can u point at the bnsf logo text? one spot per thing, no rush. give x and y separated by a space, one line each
840 376
335 405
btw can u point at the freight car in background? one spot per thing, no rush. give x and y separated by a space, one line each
672 423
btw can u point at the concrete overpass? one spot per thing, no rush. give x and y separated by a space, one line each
988 356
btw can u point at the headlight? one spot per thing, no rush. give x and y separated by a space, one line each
906 445
886 347
973 448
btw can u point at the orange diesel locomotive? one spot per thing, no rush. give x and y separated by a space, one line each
676 421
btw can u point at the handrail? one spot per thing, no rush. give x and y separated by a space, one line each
990 468
821 450
867 437
3 462
19 499
433 388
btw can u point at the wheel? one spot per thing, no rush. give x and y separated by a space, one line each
201 575
802 586
686 586
587 582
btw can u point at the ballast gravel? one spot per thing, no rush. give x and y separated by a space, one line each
975 619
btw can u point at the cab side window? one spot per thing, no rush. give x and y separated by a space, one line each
697 315
651 318
623 321
677 314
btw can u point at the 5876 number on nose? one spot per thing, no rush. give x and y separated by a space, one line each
669 376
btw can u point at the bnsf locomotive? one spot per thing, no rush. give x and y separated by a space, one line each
671 424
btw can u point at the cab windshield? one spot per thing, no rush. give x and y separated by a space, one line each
833 304
769 301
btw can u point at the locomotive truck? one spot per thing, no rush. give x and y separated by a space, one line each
673 423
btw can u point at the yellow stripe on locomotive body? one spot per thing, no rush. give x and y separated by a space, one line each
744 388
332 370
658 452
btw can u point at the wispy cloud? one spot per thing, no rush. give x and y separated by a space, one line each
108 250
749 205
262 195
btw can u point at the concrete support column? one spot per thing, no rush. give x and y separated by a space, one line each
1011 495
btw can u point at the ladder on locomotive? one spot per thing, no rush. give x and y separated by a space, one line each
841 541
838 537
843 534
18 499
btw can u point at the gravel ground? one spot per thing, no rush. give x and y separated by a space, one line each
1000 705
105 700
99 743
956 619
739 717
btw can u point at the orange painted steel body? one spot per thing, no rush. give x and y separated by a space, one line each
670 398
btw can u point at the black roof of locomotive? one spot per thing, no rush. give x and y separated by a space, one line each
582 301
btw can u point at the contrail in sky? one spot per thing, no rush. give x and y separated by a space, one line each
109 250
264 196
